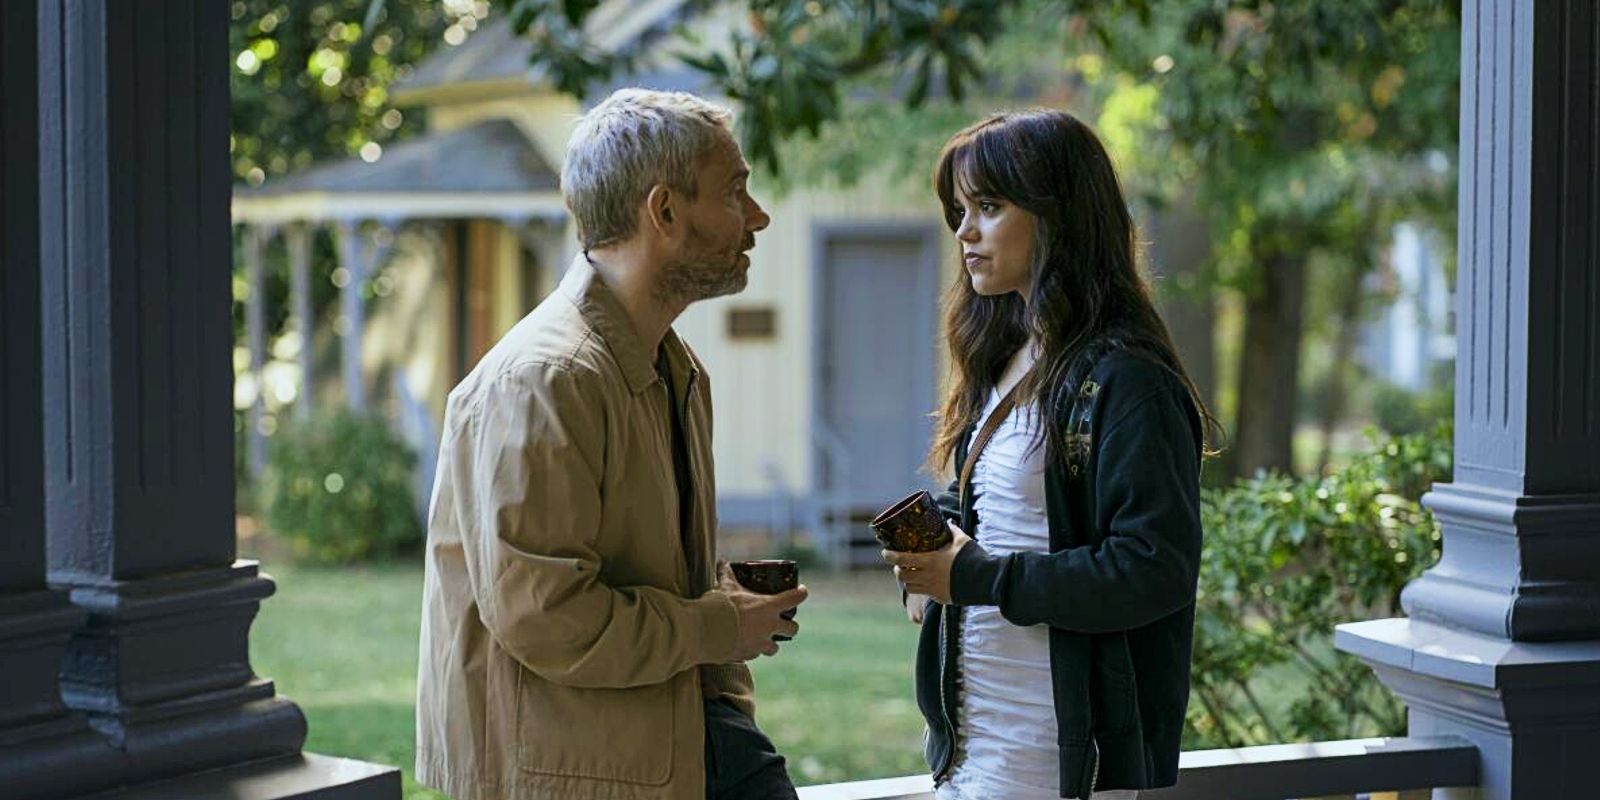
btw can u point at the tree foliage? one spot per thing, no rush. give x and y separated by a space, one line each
311 78
1305 130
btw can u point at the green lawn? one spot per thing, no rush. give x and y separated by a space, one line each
342 643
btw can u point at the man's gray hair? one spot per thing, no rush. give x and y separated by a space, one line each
632 141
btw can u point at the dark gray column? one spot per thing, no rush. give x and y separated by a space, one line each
43 746
1503 640
1522 556
117 269
138 388
21 481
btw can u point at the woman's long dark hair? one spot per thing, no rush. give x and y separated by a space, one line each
1085 284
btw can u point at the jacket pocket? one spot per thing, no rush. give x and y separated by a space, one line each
624 735
1114 690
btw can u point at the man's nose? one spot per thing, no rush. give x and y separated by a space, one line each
757 218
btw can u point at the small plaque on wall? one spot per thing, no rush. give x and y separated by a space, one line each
752 323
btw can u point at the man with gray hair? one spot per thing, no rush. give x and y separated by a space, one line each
578 638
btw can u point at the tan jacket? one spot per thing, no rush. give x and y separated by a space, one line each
564 628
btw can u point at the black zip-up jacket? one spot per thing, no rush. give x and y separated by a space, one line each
1117 587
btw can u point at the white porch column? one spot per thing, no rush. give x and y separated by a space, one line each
255 240
297 237
347 234
360 255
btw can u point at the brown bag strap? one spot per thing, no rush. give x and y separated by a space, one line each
990 425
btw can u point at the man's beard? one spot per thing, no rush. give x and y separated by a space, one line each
703 273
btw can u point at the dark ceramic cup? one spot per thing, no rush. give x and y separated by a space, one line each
768 576
913 525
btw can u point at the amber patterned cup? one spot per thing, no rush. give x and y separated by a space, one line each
913 525
768 576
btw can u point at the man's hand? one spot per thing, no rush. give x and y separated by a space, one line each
928 573
914 604
759 618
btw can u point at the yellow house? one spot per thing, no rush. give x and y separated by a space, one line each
824 370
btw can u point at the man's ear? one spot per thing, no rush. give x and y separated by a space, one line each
660 208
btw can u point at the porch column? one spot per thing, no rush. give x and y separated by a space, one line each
359 254
43 746
545 238
138 431
255 240
297 238
1503 641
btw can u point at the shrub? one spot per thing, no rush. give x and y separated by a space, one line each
337 488
805 554
1401 411
1287 559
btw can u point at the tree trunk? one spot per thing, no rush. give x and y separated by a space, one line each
1269 368
1344 345
1179 245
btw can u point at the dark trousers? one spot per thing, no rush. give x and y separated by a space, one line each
741 763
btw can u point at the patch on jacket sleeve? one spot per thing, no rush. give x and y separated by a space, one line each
1080 427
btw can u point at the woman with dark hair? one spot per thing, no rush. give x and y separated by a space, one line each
1055 646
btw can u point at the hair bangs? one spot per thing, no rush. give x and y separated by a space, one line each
967 166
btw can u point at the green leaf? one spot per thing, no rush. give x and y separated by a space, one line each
919 85
575 11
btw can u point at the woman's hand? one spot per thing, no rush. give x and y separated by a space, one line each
928 573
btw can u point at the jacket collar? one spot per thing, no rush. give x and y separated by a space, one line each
603 312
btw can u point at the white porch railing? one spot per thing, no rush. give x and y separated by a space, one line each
1379 769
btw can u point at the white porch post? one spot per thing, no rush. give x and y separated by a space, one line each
359 255
297 237
347 233
255 239
1503 641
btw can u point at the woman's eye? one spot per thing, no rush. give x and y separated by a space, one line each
988 207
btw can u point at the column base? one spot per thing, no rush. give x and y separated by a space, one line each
73 756
1515 566
306 776
58 758
1484 688
160 674
45 750
34 629
160 742
160 639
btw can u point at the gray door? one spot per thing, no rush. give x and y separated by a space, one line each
878 292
